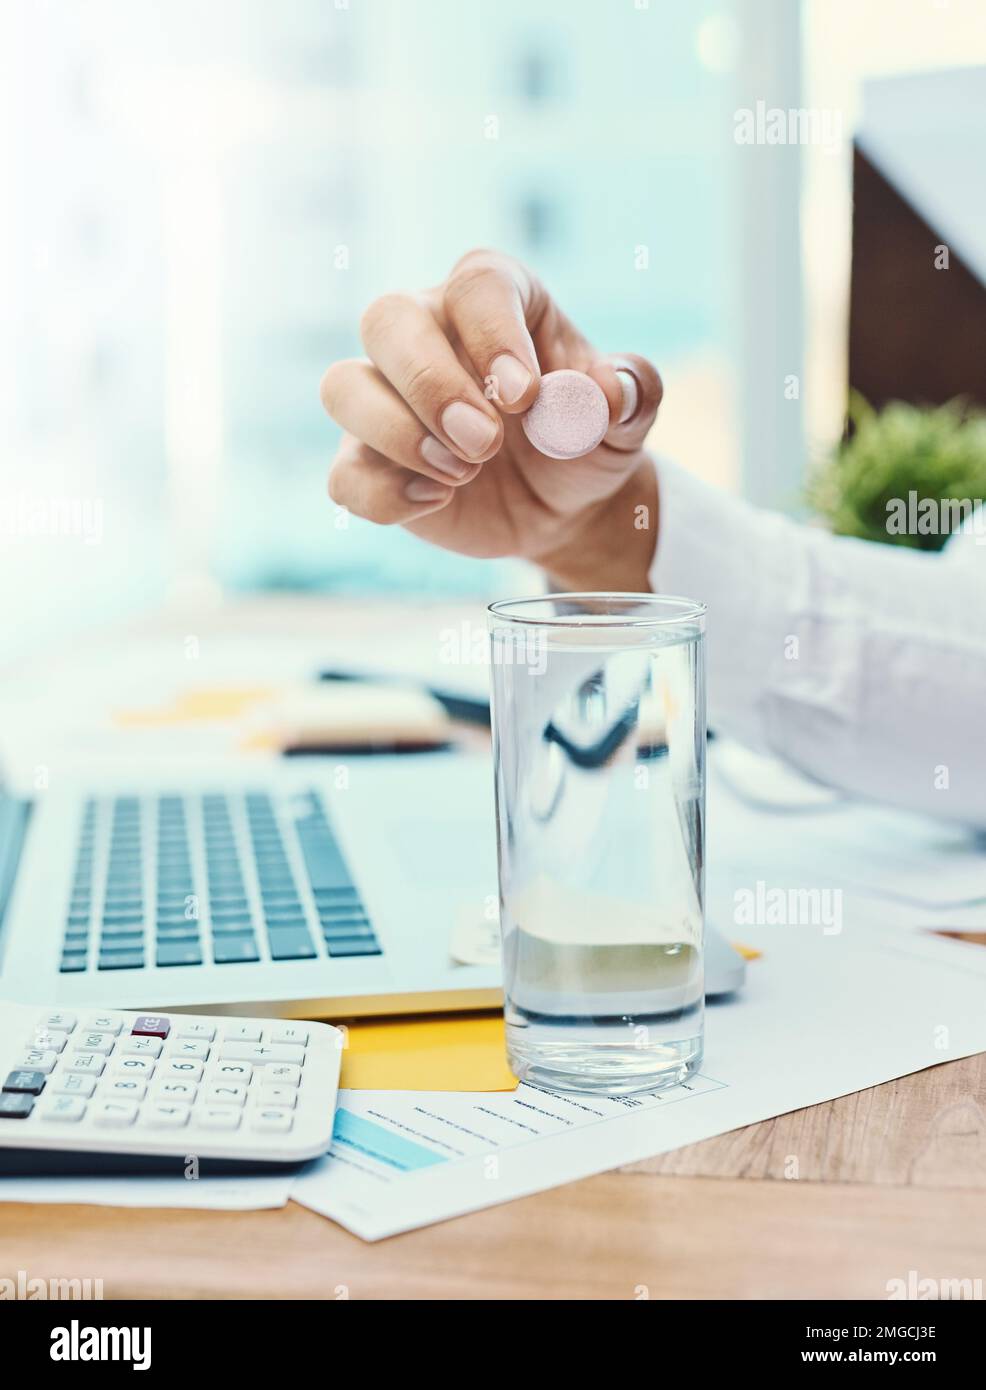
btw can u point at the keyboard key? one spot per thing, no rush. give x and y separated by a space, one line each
224 1093
278 1097
174 1090
127 1087
192 1028
141 1047
15 1107
113 1114
259 1054
86 1063
234 950
95 1042
151 1026
58 1023
67 1109
290 944
282 1073
166 1115
129 960
243 926
187 1071
129 938
194 1049
29 1083
272 1121
217 1117
188 933
104 1023
171 953
295 1033
353 946
230 1071
72 962
242 1032
34 1059
72 1084
133 1066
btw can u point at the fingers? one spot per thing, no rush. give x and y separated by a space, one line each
634 390
410 349
364 404
370 486
492 302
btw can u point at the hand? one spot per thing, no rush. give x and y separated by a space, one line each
432 440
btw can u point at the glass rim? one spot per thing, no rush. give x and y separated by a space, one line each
685 610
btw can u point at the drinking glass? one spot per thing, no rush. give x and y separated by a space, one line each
598 710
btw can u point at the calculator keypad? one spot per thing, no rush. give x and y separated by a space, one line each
133 1074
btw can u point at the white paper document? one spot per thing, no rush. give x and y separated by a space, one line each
821 1016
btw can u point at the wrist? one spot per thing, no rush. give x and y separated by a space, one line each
613 544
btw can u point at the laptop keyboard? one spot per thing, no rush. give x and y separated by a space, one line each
178 881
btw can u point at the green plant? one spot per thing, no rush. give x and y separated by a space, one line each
902 461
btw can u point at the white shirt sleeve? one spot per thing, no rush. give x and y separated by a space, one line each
861 664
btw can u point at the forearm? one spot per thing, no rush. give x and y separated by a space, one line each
863 665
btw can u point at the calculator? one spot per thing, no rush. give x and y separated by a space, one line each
111 1092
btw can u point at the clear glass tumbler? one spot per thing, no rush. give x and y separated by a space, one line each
599 752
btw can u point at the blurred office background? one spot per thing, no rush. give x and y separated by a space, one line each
200 199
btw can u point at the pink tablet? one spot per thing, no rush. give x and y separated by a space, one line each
569 417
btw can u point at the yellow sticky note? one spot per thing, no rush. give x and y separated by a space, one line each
196 706
452 1052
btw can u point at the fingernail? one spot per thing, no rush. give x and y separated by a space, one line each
631 395
433 451
510 378
468 428
424 490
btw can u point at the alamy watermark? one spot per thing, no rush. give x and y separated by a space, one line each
915 1287
796 125
24 1286
24 516
762 906
936 516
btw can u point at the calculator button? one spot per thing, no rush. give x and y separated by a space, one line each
279 1097
57 1023
260 1054
194 1029
184 1071
165 1115
14 1107
272 1121
88 1063
243 1032
30 1083
231 1071
217 1117
95 1042
175 1090
151 1026
289 1033
124 1088
68 1109
71 1084
196 1048
104 1023
44 1041
134 1066
114 1114
224 1093
282 1074
36 1060
141 1047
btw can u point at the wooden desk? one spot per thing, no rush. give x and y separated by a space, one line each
889 1180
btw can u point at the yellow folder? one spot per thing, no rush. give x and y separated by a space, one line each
447 1052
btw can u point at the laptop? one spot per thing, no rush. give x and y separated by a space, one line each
313 890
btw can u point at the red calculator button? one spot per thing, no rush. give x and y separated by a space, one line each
151 1026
